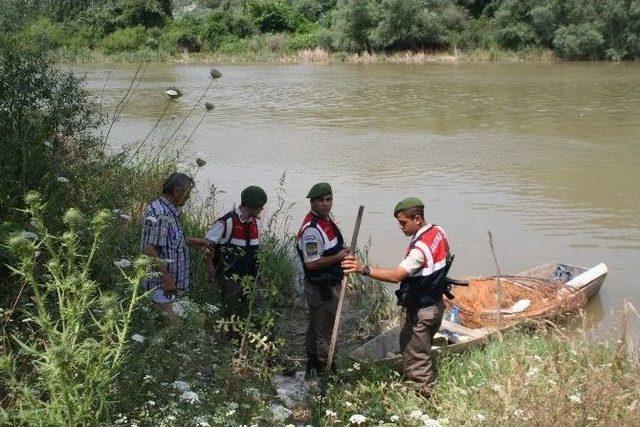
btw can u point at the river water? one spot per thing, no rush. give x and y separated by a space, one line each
545 156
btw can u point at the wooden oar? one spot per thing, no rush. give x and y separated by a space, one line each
343 287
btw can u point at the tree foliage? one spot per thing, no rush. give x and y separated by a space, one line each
574 29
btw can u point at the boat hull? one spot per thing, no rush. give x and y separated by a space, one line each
385 348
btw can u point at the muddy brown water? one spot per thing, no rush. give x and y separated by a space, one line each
545 156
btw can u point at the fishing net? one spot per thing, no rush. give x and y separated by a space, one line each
490 302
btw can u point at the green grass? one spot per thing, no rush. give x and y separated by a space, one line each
540 378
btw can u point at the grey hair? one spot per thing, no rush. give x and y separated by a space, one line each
177 181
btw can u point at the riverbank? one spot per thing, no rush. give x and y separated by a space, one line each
305 56
81 345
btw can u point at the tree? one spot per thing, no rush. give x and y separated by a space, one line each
353 21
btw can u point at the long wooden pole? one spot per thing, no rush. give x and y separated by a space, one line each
343 287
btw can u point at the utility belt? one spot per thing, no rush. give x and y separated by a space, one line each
412 298
325 283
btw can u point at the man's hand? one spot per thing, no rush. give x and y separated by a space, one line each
168 283
211 273
343 254
199 243
351 265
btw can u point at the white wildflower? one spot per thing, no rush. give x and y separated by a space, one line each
137 338
210 308
496 387
416 415
201 421
122 263
147 378
356 366
151 219
518 413
575 398
125 217
189 397
62 179
532 372
48 143
394 418
279 412
480 417
252 392
357 419
538 358
330 413
289 425
151 403
28 235
230 412
180 308
429 422
348 404
180 385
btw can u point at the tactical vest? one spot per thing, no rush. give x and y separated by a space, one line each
332 243
238 251
426 285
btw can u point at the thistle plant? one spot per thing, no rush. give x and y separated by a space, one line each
60 372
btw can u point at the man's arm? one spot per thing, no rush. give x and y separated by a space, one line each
352 265
325 261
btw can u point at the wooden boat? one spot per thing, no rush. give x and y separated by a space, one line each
575 284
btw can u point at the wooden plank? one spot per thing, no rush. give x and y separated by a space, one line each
459 329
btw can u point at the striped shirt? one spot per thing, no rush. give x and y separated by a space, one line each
161 229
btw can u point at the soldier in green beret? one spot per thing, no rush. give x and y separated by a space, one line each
421 276
235 240
321 249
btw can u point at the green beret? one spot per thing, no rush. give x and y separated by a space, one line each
321 189
410 202
253 197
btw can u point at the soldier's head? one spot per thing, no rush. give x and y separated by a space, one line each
410 215
177 188
252 200
321 198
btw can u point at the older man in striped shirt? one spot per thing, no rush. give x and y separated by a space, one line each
163 238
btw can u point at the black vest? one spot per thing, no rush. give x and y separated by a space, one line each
423 291
234 259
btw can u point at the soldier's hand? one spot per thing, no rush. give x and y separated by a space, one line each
351 265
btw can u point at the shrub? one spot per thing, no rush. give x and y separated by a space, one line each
315 10
126 39
148 13
353 21
517 36
234 46
479 33
182 34
319 38
578 42
273 16
224 21
46 127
